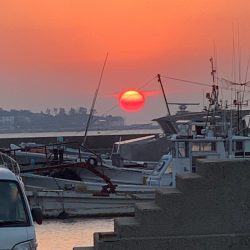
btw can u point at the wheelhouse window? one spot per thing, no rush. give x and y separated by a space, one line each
239 145
203 146
182 149
13 211
169 169
239 148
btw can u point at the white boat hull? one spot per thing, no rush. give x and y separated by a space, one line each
54 203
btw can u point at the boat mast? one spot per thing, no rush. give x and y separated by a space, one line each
215 91
213 97
93 102
164 95
213 70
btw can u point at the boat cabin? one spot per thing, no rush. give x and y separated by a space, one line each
191 144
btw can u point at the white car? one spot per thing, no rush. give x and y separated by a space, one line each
17 231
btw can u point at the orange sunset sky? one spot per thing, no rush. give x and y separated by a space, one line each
52 51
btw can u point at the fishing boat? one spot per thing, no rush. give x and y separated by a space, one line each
185 149
68 198
60 197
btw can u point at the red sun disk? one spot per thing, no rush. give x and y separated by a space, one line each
131 101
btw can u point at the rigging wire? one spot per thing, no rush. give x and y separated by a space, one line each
198 83
141 87
234 59
189 82
217 71
239 54
116 105
146 83
186 81
246 77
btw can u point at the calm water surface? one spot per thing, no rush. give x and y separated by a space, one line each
66 234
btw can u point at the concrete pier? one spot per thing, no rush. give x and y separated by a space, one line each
209 209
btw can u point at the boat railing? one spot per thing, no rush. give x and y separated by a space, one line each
90 151
90 163
55 152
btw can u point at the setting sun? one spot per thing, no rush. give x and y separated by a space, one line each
131 101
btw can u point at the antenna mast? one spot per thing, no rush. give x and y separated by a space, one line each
213 70
213 99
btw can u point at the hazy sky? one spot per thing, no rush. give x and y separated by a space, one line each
52 51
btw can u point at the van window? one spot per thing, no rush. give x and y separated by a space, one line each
13 211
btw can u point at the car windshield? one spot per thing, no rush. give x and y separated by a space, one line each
12 205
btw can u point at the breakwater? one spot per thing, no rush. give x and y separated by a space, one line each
101 141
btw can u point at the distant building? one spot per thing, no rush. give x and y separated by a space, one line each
115 121
7 123
74 120
108 122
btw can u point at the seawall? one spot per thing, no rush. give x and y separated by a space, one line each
207 210
101 141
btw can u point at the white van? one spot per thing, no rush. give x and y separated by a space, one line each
17 231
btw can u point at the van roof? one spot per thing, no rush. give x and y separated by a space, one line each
6 174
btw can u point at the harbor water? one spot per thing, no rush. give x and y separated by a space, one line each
66 234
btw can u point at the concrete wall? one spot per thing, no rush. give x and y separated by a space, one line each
209 209
100 143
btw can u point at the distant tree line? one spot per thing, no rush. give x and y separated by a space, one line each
56 119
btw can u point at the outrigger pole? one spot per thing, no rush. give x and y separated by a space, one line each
163 92
94 101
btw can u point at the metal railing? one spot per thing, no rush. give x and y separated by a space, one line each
8 162
50 154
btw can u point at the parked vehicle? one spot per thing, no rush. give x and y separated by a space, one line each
17 231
